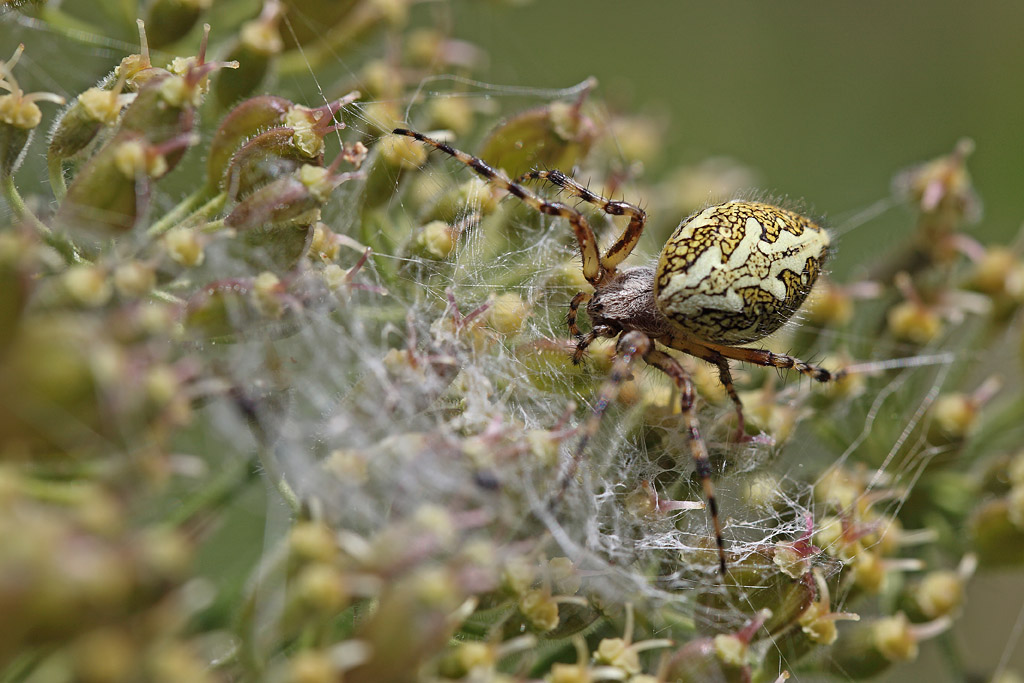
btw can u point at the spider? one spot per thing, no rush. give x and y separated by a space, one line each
730 274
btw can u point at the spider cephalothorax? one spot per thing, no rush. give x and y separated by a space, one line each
730 274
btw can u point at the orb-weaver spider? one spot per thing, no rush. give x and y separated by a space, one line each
730 274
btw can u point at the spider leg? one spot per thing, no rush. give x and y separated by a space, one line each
718 359
637 216
574 307
777 360
592 264
702 464
630 346
725 377
584 341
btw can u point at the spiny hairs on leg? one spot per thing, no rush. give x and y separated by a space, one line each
592 268
637 216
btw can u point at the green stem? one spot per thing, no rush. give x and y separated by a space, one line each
181 212
57 184
213 226
58 492
63 245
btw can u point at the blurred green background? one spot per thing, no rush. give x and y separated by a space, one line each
826 101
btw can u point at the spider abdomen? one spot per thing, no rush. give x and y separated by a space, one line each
736 272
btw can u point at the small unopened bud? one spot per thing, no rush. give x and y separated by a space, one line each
939 593
310 666
184 246
991 273
321 587
88 285
402 152
871 647
913 322
540 610
104 655
466 657
313 541
507 313
953 416
134 279
171 20
451 113
436 239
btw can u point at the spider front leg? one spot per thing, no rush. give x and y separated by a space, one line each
593 270
637 216
698 449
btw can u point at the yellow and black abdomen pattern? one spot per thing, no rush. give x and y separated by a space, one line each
736 272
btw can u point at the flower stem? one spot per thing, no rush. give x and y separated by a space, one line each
181 212
63 245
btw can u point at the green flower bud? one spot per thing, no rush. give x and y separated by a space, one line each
171 20
435 240
319 17
871 647
555 136
259 41
134 279
997 539
88 285
322 588
279 151
79 123
310 666
313 541
466 657
508 313
722 658
244 121
113 188
292 200
540 610
104 655
914 322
